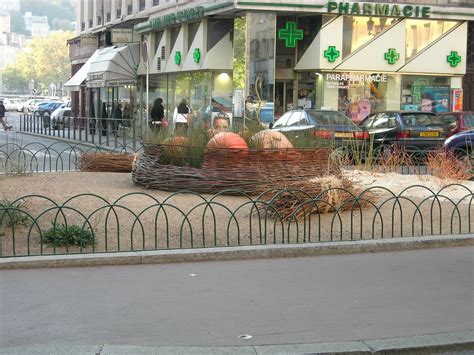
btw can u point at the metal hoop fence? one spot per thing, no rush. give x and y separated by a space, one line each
141 221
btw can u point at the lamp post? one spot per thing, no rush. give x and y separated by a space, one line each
145 60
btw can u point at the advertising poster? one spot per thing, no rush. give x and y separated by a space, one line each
457 100
435 99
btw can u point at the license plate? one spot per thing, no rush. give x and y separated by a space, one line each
429 134
343 135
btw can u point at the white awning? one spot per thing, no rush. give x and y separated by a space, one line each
78 79
114 66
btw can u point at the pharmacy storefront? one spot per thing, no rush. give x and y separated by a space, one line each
354 57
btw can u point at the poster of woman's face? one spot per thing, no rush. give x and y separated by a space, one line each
359 110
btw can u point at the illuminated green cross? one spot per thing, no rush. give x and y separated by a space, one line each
290 34
177 58
197 55
332 53
392 56
454 59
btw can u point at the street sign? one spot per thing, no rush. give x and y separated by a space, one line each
145 51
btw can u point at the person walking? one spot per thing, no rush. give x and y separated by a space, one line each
157 115
116 118
181 117
3 120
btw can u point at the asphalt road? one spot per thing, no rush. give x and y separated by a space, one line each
277 301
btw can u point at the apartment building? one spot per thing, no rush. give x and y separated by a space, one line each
344 55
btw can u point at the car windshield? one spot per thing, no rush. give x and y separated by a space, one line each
421 119
468 119
330 118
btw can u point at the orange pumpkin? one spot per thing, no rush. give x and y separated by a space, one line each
175 146
227 140
269 139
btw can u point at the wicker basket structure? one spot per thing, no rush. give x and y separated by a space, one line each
248 170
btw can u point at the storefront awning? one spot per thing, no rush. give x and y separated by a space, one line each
114 66
78 79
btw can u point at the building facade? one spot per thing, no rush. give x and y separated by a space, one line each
355 57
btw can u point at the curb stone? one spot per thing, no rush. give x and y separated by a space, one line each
458 342
236 253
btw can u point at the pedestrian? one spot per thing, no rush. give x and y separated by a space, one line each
157 115
3 120
116 118
181 117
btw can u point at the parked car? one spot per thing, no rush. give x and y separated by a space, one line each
322 124
413 130
31 104
60 117
461 143
458 121
11 104
45 110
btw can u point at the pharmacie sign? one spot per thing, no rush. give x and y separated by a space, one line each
343 80
185 15
375 9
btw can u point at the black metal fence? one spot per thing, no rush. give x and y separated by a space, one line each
59 156
100 131
90 223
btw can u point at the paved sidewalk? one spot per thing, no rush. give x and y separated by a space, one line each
325 299
450 343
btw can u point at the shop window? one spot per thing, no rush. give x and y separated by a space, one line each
192 31
359 94
311 25
174 32
420 33
359 30
285 55
157 40
426 93
217 29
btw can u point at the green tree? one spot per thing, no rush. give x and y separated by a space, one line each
14 80
44 59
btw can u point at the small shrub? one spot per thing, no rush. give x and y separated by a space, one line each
446 165
16 168
62 235
12 213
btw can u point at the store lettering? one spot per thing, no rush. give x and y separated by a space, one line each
392 10
178 17
376 78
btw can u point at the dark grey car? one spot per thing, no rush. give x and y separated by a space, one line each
320 124
413 130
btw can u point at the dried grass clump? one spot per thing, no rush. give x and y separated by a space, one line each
391 161
319 195
445 165
106 162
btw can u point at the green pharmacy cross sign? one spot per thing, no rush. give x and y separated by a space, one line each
392 56
290 34
454 59
332 53
177 57
197 55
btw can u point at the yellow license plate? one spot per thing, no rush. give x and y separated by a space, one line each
343 135
429 134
